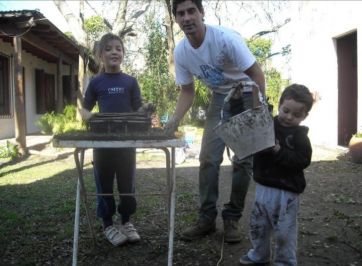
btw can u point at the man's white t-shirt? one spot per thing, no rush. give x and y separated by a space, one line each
219 62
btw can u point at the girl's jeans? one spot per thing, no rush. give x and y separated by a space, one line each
211 156
120 164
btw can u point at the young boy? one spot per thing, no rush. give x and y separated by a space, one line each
278 172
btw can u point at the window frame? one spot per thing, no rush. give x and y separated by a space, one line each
45 92
9 84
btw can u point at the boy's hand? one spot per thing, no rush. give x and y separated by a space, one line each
276 148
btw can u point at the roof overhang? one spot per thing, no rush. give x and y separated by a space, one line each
39 36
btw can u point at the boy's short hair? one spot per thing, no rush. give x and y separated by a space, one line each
198 4
298 93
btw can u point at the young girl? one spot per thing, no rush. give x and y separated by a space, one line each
115 92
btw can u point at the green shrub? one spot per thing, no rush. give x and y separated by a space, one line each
70 112
52 123
9 151
45 123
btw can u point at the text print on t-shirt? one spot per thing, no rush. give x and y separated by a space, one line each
212 76
116 90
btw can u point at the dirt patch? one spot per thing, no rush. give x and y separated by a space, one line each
330 221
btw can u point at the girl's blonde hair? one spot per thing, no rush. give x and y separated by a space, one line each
101 44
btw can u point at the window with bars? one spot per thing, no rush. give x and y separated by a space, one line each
5 90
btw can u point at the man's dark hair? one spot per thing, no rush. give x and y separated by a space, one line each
298 93
198 4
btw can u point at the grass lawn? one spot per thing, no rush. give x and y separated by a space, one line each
37 207
38 201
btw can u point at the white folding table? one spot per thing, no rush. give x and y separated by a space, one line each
80 147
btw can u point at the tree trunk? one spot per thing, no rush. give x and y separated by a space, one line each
73 96
76 23
19 113
170 38
81 90
120 23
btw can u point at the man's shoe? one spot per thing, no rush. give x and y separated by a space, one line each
198 230
245 260
232 232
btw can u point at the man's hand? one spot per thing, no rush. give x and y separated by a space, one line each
85 114
147 108
172 125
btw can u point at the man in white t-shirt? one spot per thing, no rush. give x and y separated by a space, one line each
220 58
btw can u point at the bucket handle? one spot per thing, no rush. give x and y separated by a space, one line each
258 98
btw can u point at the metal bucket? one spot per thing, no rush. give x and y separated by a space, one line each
248 132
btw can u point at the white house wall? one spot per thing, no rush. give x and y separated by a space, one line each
30 63
313 62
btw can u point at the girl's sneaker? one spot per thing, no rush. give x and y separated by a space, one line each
131 232
115 236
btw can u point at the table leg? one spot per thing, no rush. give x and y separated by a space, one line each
172 207
170 172
81 192
76 227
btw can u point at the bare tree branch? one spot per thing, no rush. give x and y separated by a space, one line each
216 11
97 13
120 22
274 29
73 20
123 26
